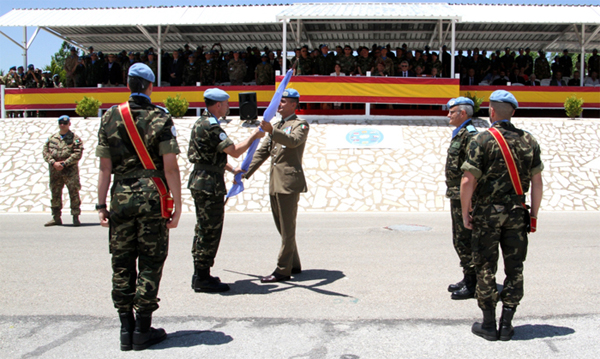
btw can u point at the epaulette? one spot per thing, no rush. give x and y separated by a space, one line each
213 121
472 129
162 108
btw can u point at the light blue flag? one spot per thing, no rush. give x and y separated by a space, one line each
269 113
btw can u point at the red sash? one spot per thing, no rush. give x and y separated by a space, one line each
512 171
166 201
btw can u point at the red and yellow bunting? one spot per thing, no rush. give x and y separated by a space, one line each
539 97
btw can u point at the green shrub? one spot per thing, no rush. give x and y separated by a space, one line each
87 107
476 100
573 106
177 106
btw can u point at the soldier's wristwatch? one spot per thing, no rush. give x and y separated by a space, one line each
100 206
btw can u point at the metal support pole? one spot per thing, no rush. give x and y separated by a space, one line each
582 62
25 47
159 55
298 33
452 68
441 28
284 46
368 105
2 108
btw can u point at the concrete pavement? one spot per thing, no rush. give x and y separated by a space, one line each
365 291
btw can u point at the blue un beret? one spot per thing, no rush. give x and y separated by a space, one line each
290 93
141 70
64 118
13 68
504 96
216 94
460 101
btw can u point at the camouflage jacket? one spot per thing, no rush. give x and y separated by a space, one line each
13 81
348 64
486 163
304 66
542 68
67 149
191 74
388 64
207 70
156 129
457 154
324 65
365 64
207 142
237 71
264 74
154 67
71 64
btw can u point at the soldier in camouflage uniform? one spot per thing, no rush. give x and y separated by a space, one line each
62 151
93 71
499 216
325 61
460 111
125 65
70 66
347 61
208 150
388 63
138 232
542 67
208 70
364 62
153 65
191 72
304 63
237 70
264 72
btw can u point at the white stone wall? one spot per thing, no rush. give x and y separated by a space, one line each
345 180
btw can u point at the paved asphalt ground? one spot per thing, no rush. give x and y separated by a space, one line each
365 292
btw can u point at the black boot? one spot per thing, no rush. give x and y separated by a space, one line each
76 222
467 291
506 329
144 335
487 330
127 328
456 286
204 282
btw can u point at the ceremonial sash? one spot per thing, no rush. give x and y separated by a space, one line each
166 201
514 175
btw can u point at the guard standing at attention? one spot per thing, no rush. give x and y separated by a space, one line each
63 151
285 146
208 150
139 217
501 164
460 111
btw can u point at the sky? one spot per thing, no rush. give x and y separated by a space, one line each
45 45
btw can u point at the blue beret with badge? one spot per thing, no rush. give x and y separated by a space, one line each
504 96
290 93
460 101
13 68
64 118
141 70
216 94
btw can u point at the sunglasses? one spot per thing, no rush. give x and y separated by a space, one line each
63 122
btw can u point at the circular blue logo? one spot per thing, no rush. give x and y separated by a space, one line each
364 137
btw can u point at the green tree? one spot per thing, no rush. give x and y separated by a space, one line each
57 62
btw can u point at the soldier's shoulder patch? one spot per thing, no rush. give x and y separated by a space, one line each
162 108
213 121
472 129
173 131
304 126
222 136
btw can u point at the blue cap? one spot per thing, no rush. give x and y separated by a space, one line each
504 96
216 94
290 93
30 66
55 75
141 70
13 68
460 101
73 49
131 53
64 118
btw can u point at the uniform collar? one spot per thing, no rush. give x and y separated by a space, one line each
140 95
457 130
499 122
288 118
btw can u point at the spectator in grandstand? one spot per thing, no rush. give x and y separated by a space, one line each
151 63
264 72
522 61
348 61
532 81
417 61
501 80
437 64
576 80
32 79
93 71
304 63
111 72
80 79
380 70
594 62
419 71
556 66
70 66
434 72
507 61
191 72
566 63
471 79
516 77
578 64
56 81
388 63
592 80
403 70
237 70
557 80
324 60
208 69
364 62
176 69
542 67
126 64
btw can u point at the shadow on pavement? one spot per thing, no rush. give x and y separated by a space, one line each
191 338
81 225
323 276
537 331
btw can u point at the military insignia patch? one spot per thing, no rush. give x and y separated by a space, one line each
223 136
304 127
287 130
174 131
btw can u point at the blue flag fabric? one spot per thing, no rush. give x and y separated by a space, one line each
269 113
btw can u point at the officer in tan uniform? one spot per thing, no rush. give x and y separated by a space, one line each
62 151
285 146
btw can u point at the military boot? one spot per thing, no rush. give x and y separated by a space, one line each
487 330
55 221
144 335
458 285
76 222
506 330
127 328
204 282
467 291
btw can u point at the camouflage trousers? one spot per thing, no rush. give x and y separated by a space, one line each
461 238
499 225
210 212
139 238
58 179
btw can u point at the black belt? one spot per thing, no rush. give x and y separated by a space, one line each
140 174
209 168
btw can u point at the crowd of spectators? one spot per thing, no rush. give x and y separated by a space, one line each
209 67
